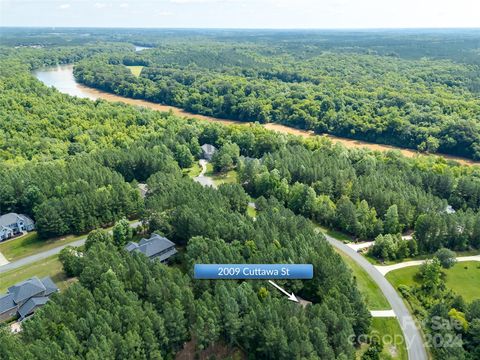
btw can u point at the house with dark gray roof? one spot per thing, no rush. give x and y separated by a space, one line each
208 151
12 224
8 308
155 248
24 298
31 305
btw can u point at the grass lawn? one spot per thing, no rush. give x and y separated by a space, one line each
465 282
31 244
193 171
375 261
229 177
389 331
136 70
373 295
47 267
336 234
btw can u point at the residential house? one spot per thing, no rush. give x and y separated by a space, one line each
12 224
24 298
208 151
155 248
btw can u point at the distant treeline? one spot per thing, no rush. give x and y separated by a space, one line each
429 105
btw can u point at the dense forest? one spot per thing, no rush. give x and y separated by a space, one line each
77 169
426 104
366 194
75 164
126 305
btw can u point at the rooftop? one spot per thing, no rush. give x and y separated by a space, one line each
26 289
208 148
10 218
156 245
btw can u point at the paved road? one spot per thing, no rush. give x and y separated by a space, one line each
45 254
413 338
385 269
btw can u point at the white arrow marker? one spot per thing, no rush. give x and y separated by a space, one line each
291 296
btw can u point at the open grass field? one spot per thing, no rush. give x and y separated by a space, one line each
136 70
31 244
372 293
463 278
47 267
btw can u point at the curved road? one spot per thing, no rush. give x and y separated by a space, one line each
413 338
45 254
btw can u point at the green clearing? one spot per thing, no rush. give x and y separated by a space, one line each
374 297
375 261
463 278
136 70
335 234
46 267
228 177
193 171
31 244
389 331
252 212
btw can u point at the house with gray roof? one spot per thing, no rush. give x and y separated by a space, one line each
8 308
155 248
208 151
24 298
12 224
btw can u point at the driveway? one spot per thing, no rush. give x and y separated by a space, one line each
3 260
385 269
45 254
413 337
201 178
360 245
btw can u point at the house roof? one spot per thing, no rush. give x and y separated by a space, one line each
153 246
31 304
131 246
166 255
12 218
208 148
6 303
26 289
49 285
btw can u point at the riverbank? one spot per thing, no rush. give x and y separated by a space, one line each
61 77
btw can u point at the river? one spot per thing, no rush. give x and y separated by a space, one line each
61 77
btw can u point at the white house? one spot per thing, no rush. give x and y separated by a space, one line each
12 224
